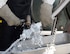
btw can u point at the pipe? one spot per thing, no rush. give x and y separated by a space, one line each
56 12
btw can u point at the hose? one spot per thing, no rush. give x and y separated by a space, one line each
32 10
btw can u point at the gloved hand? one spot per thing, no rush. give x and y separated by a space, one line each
46 14
9 17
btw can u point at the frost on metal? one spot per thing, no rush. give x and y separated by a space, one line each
33 33
50 50
31 39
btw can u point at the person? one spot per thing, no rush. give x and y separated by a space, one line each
13 13
46 13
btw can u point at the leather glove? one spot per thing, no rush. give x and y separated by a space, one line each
9 17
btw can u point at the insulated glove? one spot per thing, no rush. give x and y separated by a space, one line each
9 16
46 14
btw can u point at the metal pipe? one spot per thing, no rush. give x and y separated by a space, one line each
60 8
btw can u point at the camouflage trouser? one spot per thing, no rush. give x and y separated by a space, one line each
46 14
